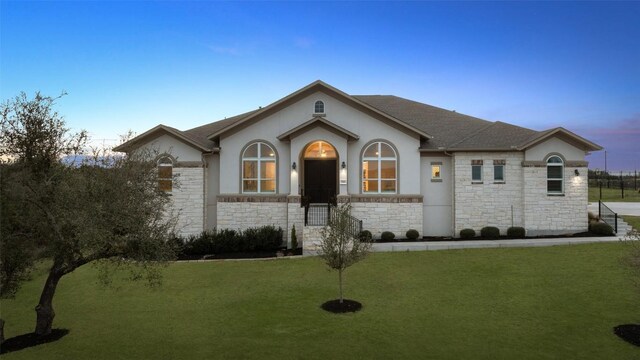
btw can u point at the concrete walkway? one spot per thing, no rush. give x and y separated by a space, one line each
475 244
622 208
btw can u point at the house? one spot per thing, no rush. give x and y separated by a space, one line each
401 164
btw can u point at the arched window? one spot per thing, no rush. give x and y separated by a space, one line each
165 174
259 169
555 175
320 150
379 169
319 107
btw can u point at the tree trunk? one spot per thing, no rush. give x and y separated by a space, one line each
44 310
340 277
1 331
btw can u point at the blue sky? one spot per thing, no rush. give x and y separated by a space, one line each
132 65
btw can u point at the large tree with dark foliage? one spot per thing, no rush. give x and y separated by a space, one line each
108 209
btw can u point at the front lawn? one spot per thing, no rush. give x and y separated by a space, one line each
634 221
521 303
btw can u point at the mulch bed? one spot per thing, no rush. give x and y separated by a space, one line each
346 306
629 333
28 340
448 238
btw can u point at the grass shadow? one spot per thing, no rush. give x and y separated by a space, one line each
25 341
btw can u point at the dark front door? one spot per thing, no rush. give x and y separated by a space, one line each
320 178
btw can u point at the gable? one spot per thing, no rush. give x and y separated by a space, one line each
166 143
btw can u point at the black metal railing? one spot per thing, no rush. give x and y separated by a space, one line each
353 225
320 214
607 215
317 214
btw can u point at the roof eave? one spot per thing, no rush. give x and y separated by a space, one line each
131 143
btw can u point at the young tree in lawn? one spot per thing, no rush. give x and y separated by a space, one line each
108 209
339 247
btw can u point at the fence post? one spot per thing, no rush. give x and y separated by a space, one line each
599 209
622 184
600 198
635 180
616 219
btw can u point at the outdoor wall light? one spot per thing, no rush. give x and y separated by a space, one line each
293 166
344 165
577 172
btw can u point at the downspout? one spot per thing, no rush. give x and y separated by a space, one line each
453 193
204 192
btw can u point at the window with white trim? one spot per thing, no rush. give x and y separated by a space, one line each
259 169
379 169
319 107
555 175
165 174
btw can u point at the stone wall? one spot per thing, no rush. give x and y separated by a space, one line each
295 215
312 238
395 213
241 212
555 214
488 203
188 199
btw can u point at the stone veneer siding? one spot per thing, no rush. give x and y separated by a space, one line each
555 214
245 211
488 203
295 215
187 199
395 213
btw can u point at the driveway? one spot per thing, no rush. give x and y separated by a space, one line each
622 208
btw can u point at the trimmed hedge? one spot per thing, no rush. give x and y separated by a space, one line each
412 234
387 236
516 232
365 236
490 232
467 233
601 229
265 238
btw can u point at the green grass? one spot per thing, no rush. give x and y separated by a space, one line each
528 303
634 221
630 195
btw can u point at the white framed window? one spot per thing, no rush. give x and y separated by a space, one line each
379 169
165 174
476 171
555 175
318 107
259 168
498 170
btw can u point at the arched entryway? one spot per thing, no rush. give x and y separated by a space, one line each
320 172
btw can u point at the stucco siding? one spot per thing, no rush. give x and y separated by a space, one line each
553 145
437 196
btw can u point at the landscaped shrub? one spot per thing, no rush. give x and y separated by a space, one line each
592 216
365 236
412 234
265 238
516 232
177 244
294 238
467 233
387 236
602 229
490 232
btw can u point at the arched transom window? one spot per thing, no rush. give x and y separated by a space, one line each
259 169
319 107
165 174
379 169
320 150
555 175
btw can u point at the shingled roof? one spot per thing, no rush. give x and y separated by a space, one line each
447 130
